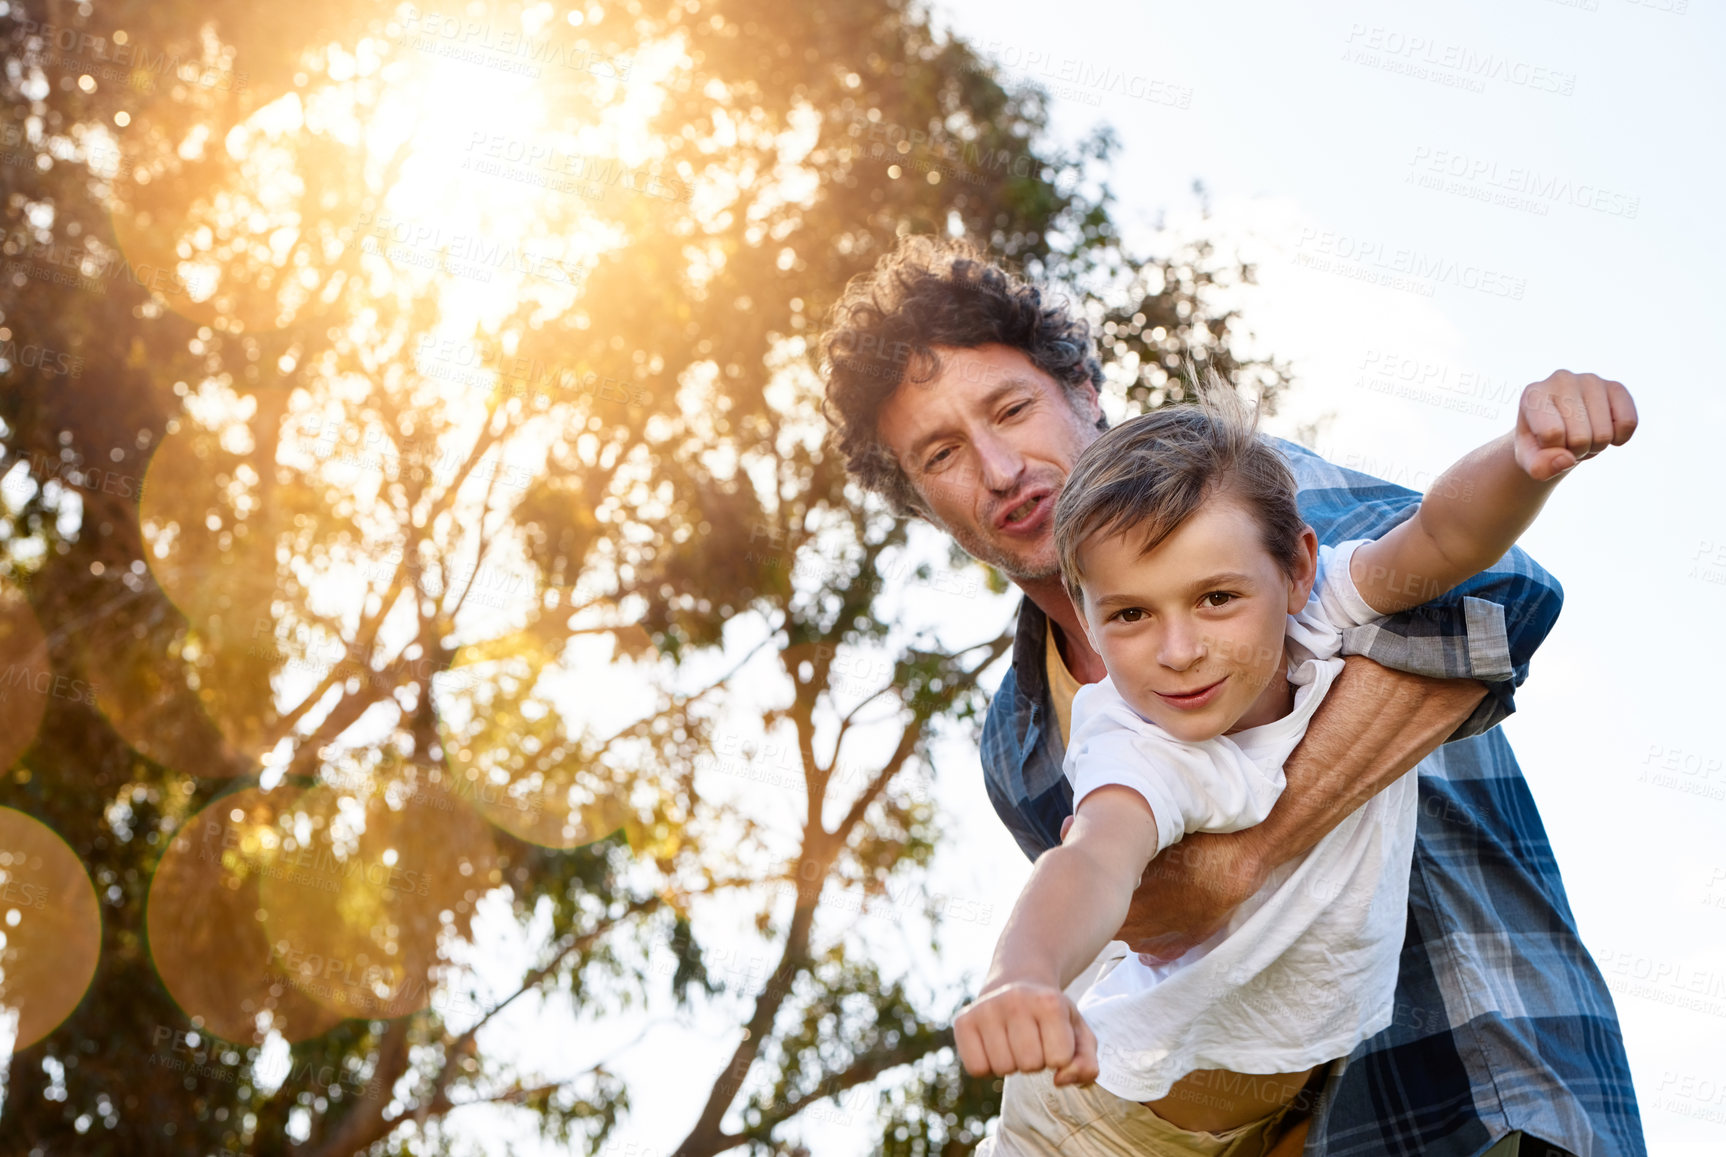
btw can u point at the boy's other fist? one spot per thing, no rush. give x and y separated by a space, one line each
1022 1027
1568 418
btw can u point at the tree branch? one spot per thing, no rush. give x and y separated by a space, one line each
908 740
862 1069
367 1123
454 1049
705 1137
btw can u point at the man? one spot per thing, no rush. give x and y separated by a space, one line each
964 398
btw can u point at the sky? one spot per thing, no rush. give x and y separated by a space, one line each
1444 203
1563 204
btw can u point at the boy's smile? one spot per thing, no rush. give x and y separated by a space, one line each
1192 633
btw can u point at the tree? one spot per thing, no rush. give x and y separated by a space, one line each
340 446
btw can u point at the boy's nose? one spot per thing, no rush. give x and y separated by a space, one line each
1179 649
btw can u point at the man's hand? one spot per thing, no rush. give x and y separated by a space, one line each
1374 725
1568 418
1189 892
1025 1027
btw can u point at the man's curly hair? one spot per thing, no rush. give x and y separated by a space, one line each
929 293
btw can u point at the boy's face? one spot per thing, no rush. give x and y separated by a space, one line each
988 443
1192 633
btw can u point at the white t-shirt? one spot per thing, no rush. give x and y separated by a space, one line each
1306 968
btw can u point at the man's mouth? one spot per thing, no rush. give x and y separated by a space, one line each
1024 512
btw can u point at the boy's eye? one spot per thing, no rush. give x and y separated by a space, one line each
1217 599
1130 615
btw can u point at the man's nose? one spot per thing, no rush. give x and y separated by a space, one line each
1001 464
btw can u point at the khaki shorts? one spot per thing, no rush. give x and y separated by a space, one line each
1039 1119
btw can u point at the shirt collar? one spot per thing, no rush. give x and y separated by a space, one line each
1029 650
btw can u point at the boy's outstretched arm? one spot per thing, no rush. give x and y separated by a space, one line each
1377 723
1478 508
1076 898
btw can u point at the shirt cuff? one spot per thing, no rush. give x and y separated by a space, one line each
1165 810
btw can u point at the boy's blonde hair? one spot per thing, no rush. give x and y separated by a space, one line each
1148 475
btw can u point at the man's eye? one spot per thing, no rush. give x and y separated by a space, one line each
1217 599
1012 411
937 459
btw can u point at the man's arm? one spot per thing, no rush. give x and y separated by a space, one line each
1373 727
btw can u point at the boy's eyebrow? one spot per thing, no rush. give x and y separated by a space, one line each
1209 583
1227 578
1013 382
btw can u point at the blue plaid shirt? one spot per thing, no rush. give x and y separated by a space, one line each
1502 1020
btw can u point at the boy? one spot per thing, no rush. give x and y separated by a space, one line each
1194 576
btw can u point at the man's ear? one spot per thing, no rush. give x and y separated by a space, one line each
1305 569
1086 401
918 507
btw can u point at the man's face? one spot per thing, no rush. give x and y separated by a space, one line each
1193 632
988 442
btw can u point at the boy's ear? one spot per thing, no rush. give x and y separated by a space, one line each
1078 602
1305 569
